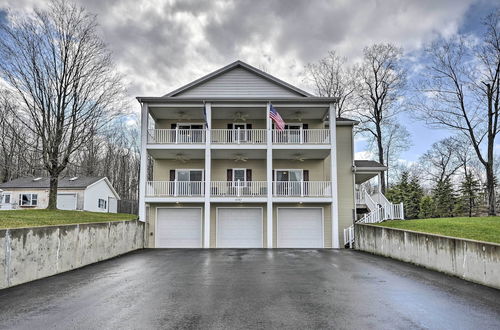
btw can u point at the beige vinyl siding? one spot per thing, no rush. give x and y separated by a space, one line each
162 167
213 219
327 220
222 123
317 167
151 219
345 178
238 82
220 167
167 123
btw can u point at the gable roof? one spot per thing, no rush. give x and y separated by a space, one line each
44 182
235 65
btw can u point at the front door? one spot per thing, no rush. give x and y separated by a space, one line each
294 133
240 132
289 182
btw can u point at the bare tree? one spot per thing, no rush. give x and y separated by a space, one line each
396 139
379 87
460 91
332 77
442 160
63 76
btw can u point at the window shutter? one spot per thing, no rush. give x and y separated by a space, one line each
229 174
305 175
305 126
249 126
249 174
229 126
172 175
305 133
173 126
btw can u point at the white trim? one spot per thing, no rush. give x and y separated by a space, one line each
305 207
269 177
109 185
179 207
70 193
242 207
143 169
334 176
208 176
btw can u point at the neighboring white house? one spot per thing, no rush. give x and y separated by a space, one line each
94 194
224 177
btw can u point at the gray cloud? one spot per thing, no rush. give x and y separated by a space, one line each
160 45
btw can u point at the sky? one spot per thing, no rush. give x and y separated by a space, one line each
159 45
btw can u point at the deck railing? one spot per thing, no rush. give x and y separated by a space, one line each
238 188
175 188
239 136
301 136
302 188
176 136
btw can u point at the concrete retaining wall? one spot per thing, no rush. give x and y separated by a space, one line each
471 260
27 254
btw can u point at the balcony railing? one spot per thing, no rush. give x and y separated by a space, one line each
176 136
302 189
239 136
239 189
301 136
175 188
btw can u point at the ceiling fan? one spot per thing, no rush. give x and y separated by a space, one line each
181 158
239 116
298 157
240 158
183 115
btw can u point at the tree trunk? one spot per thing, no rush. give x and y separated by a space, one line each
490 187
381 158
53 193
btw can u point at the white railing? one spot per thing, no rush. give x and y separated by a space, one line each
238 188
239 136
301 136
175 188
302 188
176 136
349 236
360 196
384 212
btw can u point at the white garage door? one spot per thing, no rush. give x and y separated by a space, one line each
300 227
66 201
239 227
178 228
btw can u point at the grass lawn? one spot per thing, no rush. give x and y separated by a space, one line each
478 228
32 218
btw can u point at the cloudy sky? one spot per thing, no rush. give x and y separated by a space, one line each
160 45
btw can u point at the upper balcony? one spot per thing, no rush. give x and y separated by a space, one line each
239 136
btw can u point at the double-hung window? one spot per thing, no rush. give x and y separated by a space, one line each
101 203
5 199
28 199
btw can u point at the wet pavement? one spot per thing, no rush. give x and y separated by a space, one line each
242 289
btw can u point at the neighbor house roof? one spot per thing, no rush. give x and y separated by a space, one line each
44 182
232 66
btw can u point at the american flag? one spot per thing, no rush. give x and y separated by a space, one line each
275 116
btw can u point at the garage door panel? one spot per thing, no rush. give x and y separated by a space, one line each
300 228
179 228
66 201
239 228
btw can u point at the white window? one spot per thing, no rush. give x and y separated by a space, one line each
101 203
28 199
239 177
6 199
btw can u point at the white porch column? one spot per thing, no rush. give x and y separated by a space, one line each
269 176
208 176
143 173
332 115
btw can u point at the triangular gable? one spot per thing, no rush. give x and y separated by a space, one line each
238 79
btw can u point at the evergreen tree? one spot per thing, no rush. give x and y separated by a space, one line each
444 199
427 207
469 194
409 192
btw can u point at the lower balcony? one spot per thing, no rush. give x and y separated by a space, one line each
281 189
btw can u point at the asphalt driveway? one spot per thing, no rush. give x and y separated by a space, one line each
233 289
